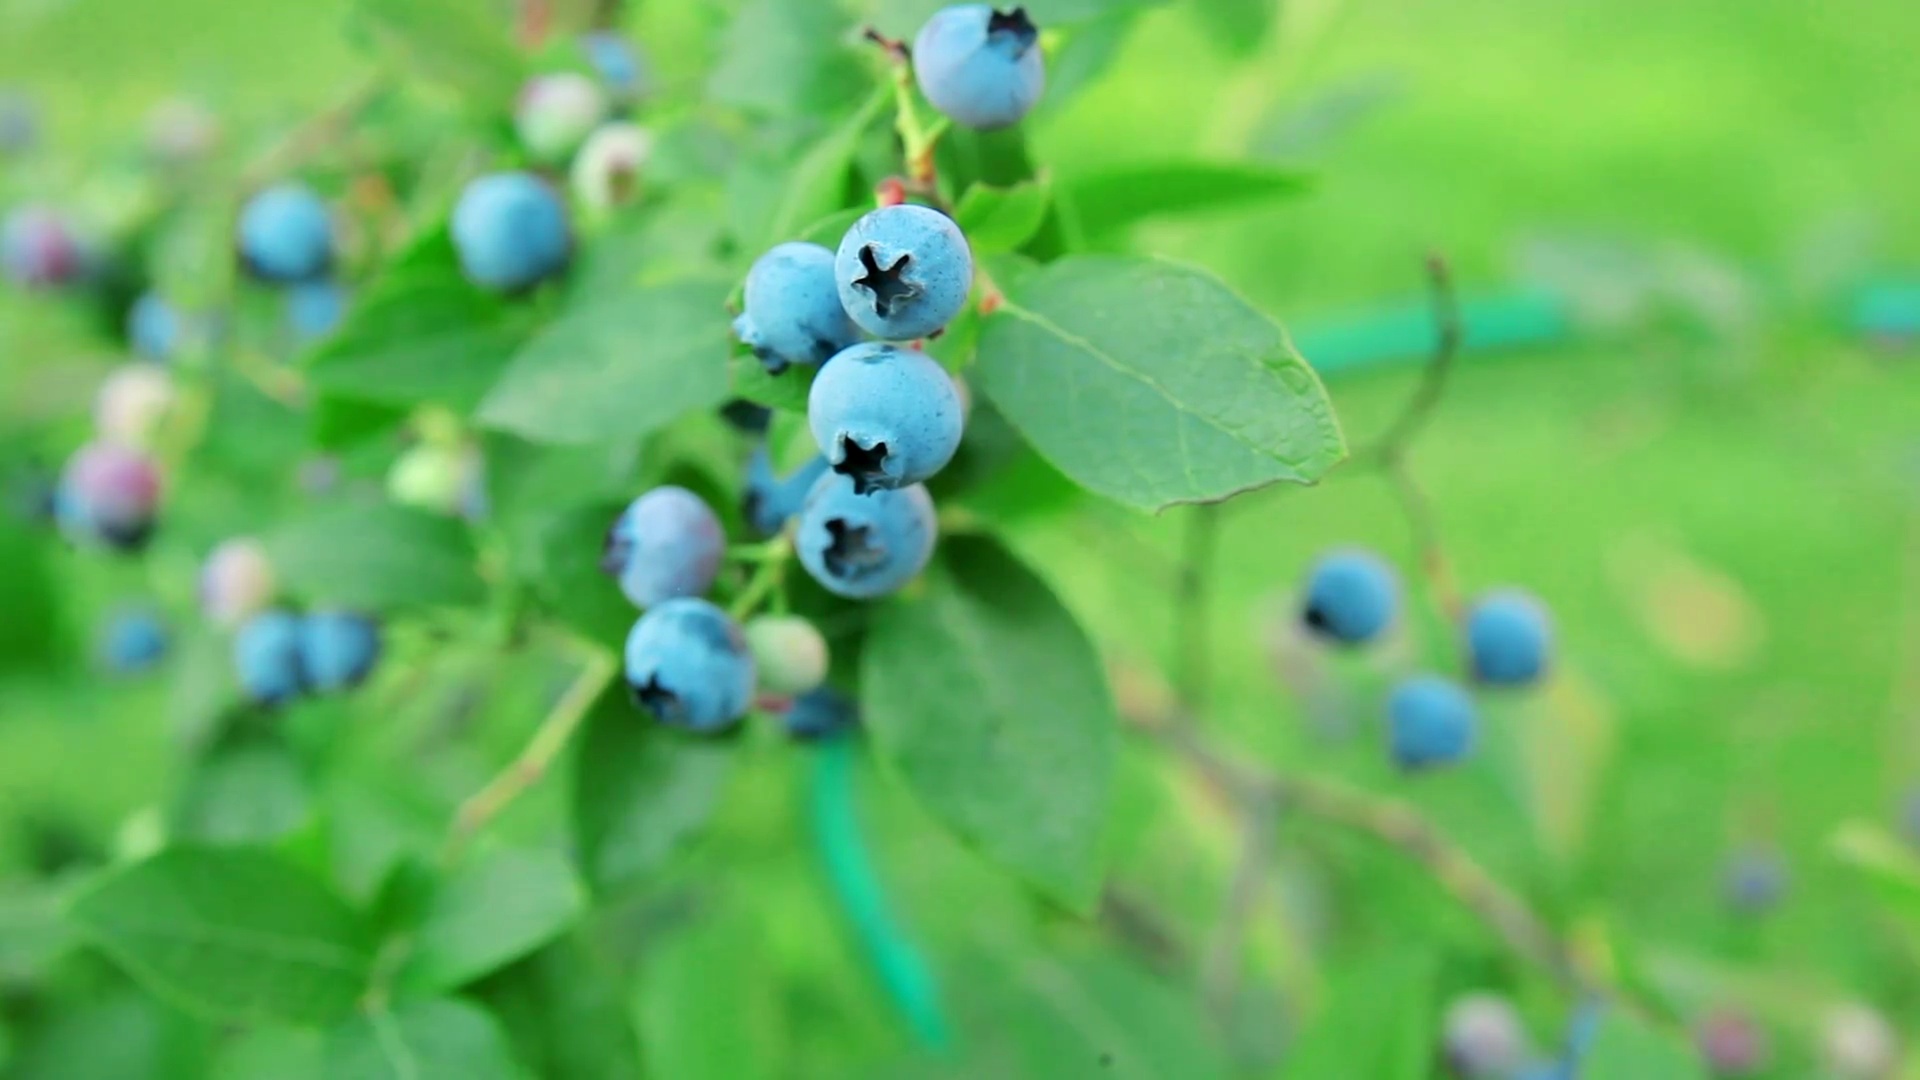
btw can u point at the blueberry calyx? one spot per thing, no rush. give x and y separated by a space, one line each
888 284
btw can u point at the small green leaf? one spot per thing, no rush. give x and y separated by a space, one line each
786 391
1151 383
488 914
1378 1022
236 934
707 1006
566 573
830 230
1237 26
621 366
988 700
451 43
247 794
1627 1049
785 57
816 186
377 557
423 333
565 1009
998 220
640 792
421 1040
1123 196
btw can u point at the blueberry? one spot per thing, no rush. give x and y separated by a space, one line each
108 494
314 308
131 403
1351 597
821 713
747 417
1432 722
286 234
1482 1037
510 231
885 416
789 653
903 271
40 249
556 112
667 544
1508 638
19 122
1732 1044
133 641
606 171
337 649
266 657
1754 880
621 69
687 664
154 327
236 581
793 313
771 501
980 66
864 546
181 131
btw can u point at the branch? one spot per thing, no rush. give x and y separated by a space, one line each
319 132
1193 674
1449 332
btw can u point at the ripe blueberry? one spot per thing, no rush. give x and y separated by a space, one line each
131 403
666 544
864 546
979 66
1482 1037
266 657
789 653
314 308
510 231
903 271
236 581
1432 722
154 328
793 313
884 416
556 112
606 171
1508 638
108 494
619 65
133 641
770 500
1351 597
687 664
286 234
821 713
337 649
39 248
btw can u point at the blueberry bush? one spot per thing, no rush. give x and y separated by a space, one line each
552 555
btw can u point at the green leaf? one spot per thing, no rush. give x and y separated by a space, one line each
1121 197
448 42
1237 26
244 794
639 792
567 575
1627 1049
565 1010
1151 383
1378 1023
377 557
272 1053
784 57
423 333
816 185
998 220
488 914
830 230
786 391
236 934
989 701
622 366
421 1040
708 1004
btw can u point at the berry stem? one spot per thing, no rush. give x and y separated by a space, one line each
765 582
1193 642
551 737
918 140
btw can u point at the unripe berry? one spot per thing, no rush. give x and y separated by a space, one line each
1858 1043
181 131
606 172
109 494
555 112
1732 1044
40 249
1482 1037
132 403
789 653
236 581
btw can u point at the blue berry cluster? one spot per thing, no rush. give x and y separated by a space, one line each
280 655
1352 598
286 237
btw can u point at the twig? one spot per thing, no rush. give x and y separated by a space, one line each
768 574
524 771
318 132
1192 677
1221 974
1449 332
1432 555
919 140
